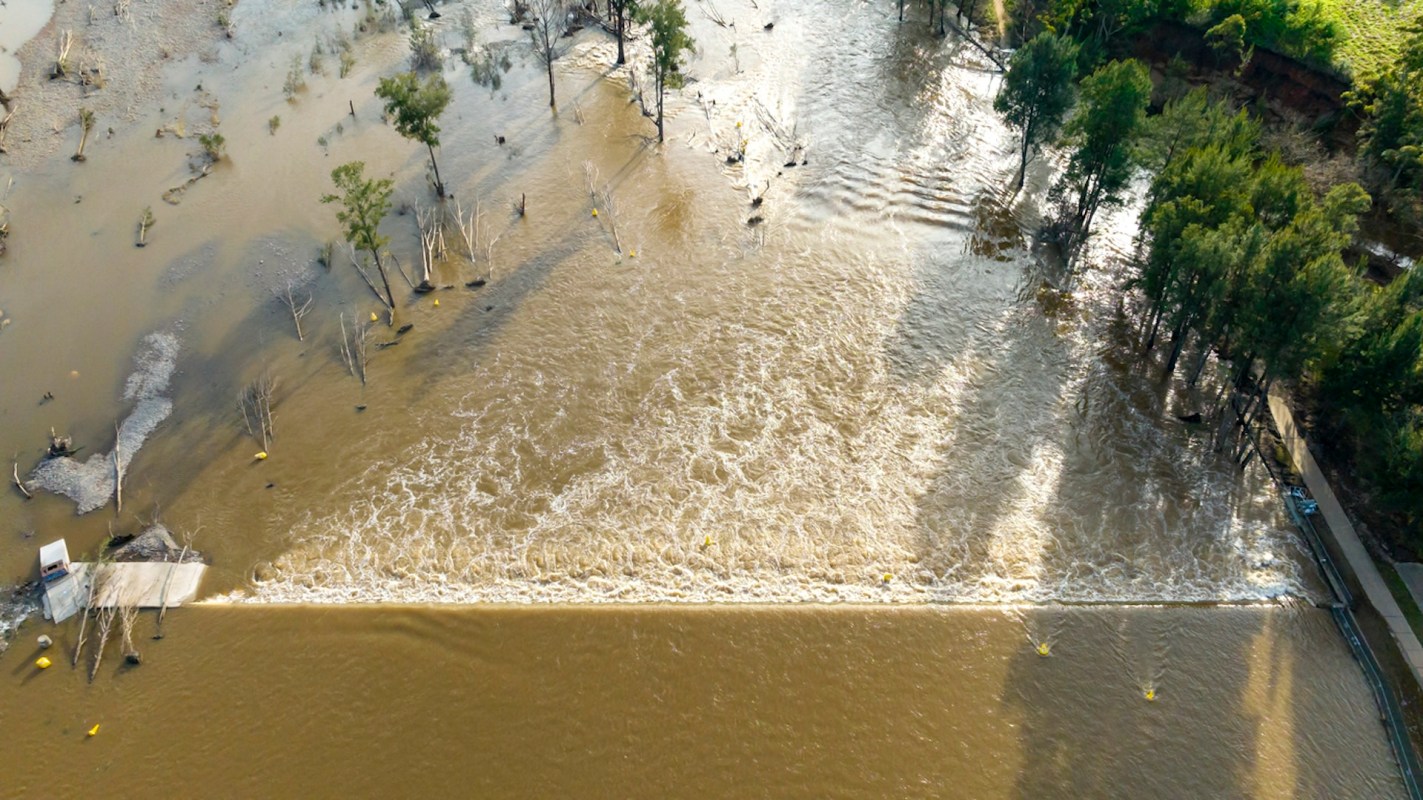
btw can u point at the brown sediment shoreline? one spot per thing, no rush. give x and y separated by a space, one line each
130 52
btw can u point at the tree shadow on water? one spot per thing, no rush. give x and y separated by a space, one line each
1245 702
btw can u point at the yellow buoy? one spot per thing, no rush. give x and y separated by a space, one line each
632 254
261 455
437 304
43 662
1150 695
94 731
1044 648
738 124
707 542
374 317
887 577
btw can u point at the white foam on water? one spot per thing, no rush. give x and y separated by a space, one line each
90 483
855 418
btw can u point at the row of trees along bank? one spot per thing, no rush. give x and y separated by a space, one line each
1239 255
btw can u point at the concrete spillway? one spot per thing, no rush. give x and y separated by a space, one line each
142 584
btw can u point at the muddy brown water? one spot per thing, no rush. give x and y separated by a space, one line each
874 396
663 701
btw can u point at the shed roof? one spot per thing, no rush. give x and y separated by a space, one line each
54 552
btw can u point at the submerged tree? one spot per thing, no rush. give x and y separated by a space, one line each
1037 92
364 203
550 20
1102 135
670 41
86 125
624 11
415 108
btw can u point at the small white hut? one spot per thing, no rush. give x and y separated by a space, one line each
54 561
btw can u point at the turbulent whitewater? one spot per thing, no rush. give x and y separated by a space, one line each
877 395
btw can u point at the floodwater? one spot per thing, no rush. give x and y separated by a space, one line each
687 701
20 20
862 390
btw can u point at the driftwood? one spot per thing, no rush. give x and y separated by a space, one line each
15 471
10 110
118 473
60 446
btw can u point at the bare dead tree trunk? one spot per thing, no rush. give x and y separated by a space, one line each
106 624
287 297
61 61
128 614
353 348
602 199
255 404
351 251
432 245
84 620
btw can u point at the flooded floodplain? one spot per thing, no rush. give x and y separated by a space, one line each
827 371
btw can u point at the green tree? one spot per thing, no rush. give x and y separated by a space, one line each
670 42
1202 190
364 203
1227 38
1037 93
1392 133
1097 23
1304 29
416 107
1102 135
1194 120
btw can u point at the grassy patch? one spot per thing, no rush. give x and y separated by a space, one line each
1400 592
1373 33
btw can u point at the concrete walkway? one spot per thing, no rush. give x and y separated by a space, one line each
1362 565
1412 575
